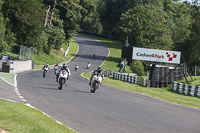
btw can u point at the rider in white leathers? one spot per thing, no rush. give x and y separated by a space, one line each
64 67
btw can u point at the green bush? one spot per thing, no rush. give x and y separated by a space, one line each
137 67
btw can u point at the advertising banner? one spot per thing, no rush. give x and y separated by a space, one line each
156 55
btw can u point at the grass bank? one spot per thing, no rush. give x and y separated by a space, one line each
162 93
18 118
55 56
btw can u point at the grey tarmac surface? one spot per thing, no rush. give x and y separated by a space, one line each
8 92
109 110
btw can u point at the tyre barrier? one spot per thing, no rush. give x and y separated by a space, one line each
131 78
106 73
185 89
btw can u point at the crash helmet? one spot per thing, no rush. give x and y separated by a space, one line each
64 66
99 69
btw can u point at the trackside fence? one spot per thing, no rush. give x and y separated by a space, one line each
127 77
185 89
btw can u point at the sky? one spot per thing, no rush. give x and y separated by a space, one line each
190 0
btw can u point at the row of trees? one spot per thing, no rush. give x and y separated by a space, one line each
158 24
46 24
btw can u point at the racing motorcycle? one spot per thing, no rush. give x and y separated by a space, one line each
55 69
88 65
95 83
45 71
63 76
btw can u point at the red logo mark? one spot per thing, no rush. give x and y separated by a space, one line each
171 58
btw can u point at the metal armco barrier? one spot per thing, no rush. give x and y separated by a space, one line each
185 89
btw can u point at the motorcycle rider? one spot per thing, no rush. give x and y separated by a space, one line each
98 71
64 67
88 65
55 67
76 67
46 66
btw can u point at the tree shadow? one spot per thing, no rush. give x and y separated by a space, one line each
50 84
114 59
87 56
47 88
109 42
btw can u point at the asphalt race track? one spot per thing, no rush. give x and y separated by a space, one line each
109 110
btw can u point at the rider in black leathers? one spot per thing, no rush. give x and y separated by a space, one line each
98 71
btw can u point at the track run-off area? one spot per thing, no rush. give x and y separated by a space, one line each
109 110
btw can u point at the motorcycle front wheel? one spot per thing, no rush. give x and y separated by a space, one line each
44 74
94 87
61 83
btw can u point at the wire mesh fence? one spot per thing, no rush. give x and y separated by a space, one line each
26 53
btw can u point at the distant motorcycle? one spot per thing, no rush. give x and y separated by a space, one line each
55 69
76 67
62 79
88 65
95 83
45 71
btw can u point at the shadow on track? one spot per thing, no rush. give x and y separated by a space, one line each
80 91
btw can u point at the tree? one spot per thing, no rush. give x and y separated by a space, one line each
180 19
69 12
56 37
2 24
25 20
90 19
113 9
146 27
191 47
137 67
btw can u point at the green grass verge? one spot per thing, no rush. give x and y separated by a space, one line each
8 77
18 118
114 57
161 93
10 54
194 80
54 57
